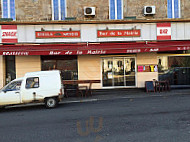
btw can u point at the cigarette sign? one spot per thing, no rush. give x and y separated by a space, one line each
9 33
57 34
164 31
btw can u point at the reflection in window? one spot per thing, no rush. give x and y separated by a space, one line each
175 69
116 9
8 9
58 9
118 71
32 82
13 86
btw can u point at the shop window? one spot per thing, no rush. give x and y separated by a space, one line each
58 9
173 8
119 63
175 69
66 64
32 82
110 64
8 9
118 71
116 9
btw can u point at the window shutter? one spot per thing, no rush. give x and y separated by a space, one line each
56 9
176 9
112 9
119 9
169 8
5 8
62 3
12 9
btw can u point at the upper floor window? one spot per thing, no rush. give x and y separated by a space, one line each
58 9
116 9
8 9
174 9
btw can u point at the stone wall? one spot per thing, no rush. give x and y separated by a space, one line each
135 8
75 9
185 10
33 10
41 10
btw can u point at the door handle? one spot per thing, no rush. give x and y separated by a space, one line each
17 92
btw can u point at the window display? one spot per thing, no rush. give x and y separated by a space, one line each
175 69
118 71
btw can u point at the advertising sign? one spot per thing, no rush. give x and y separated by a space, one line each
57 34
163 31
118 33
9 33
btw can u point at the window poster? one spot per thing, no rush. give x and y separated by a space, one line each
147 68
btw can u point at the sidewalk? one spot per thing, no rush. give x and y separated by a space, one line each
110 94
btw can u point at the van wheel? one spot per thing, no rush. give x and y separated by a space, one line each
51 102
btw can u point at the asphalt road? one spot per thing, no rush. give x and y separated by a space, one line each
152 119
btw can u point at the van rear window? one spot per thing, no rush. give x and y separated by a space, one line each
32 82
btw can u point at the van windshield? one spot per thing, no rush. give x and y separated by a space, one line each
13 86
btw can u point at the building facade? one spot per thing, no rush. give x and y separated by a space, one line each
123 43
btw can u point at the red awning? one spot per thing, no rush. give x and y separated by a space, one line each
93 48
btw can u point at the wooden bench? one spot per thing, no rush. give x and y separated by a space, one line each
79 89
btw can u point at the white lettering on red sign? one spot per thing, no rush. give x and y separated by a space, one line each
154 50
54 53
96 52
79 52
133 50
68 53
16 53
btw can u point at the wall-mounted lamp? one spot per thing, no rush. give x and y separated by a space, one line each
134 28
42 29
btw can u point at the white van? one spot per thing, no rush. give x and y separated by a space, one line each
42 86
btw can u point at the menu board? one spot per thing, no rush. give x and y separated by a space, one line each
149 86
147 68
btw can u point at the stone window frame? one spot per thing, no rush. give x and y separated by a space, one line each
59 6
172 6
115 10
9 9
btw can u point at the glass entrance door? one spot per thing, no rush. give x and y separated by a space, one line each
118 71
130 71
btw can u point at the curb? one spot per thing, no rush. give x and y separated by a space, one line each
121 97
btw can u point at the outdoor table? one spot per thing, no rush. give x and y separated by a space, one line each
87 87
164 85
